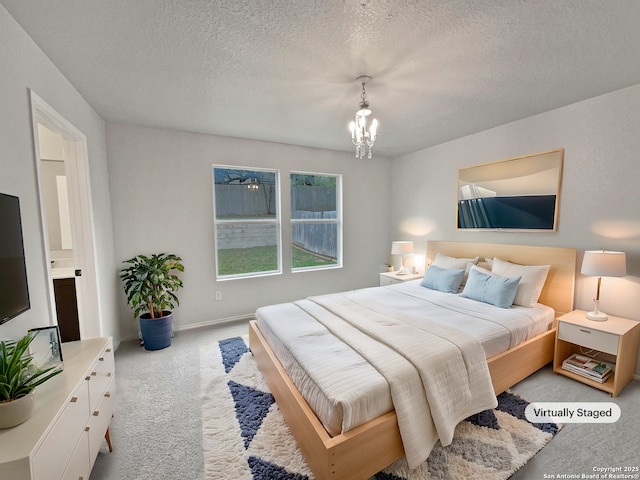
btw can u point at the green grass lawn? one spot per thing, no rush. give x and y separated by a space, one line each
302 258
236 261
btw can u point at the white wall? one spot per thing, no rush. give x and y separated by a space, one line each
24 66
162 201
598 206
599 202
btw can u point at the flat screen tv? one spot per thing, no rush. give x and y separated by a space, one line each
14 289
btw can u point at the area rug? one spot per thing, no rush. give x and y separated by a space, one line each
246 437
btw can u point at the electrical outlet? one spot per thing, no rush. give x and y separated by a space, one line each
218 296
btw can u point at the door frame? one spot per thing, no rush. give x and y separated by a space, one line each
76 161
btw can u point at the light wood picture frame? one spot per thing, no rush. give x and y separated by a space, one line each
517 194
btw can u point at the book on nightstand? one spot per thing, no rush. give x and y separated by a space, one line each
589 367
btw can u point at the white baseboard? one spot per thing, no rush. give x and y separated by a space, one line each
209 323
217 321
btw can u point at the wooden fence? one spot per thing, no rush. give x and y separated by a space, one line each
308 202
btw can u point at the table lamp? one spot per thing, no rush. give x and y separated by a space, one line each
404 249
602 263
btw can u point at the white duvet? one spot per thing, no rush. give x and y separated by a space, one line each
401 342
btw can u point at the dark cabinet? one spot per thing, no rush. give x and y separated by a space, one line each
67 308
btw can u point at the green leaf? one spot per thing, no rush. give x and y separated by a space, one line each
18 375
149 282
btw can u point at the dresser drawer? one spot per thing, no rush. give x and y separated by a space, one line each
100 419
51 459
78 468
101 374
588 337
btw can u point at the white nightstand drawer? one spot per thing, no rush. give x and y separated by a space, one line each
389 278
588 337
387 281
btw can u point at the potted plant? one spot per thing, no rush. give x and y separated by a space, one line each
18 379
150 285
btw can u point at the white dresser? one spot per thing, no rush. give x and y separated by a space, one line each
72 414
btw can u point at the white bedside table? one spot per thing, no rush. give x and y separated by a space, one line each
389 278
617 337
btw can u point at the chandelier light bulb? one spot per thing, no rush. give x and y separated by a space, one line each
373 129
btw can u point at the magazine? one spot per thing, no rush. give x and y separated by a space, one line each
589 367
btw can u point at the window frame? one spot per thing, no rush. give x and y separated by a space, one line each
338 221
276 221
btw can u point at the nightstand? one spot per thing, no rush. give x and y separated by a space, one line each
389 278
617 337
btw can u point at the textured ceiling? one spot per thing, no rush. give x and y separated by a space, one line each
284 71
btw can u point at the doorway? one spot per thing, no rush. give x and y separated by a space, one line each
67 222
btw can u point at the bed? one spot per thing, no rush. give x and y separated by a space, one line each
364 450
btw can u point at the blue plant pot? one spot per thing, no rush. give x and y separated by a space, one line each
156 332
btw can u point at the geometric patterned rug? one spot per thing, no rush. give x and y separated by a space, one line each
245 436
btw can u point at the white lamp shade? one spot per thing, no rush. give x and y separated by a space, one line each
604 263
401 248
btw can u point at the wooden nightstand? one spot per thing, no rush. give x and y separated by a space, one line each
617 337
389 278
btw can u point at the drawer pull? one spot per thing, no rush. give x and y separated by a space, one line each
87 378
96 413
108 350
107 394
108 374
93 374
74 399
585 331
86 429
101 359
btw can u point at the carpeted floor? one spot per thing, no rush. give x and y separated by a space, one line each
246 437
157 428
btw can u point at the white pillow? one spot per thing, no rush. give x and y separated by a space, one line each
482 269
444 261
531 283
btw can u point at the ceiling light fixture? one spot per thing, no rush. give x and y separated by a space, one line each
362 138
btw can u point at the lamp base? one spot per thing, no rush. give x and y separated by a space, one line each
597 316
403 271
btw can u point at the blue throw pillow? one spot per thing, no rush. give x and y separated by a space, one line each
493 289
442 279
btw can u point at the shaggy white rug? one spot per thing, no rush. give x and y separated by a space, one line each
246 437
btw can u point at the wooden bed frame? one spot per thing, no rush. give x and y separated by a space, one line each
367 449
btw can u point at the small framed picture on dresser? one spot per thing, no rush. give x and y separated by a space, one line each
46 347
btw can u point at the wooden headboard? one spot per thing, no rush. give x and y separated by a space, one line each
558 290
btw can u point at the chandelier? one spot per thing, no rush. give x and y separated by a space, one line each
362 138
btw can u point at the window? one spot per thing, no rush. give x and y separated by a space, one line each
316 221
246 221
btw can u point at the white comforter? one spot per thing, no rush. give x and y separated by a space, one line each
437 374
